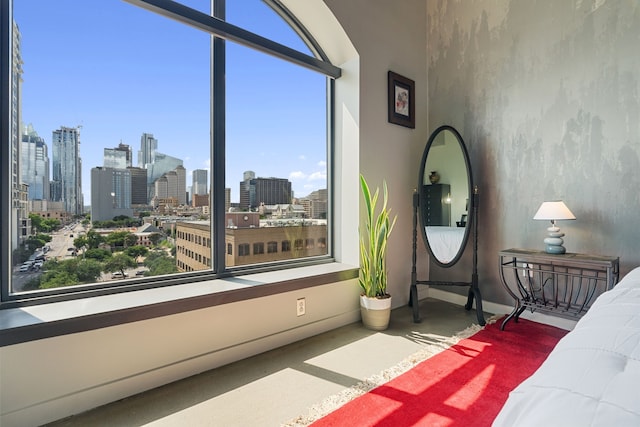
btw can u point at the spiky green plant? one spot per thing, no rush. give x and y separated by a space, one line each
373 242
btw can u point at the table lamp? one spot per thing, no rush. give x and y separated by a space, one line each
554 211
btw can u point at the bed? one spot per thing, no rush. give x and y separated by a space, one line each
445 241
592 377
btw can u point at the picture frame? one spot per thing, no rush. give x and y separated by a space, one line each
402 100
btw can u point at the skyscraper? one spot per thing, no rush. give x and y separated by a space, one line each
199 182
110 193
172 184
162 164
247 176
138 186
119 157
66 186
148 148
35 164
21 227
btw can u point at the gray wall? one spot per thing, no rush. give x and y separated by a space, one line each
546 95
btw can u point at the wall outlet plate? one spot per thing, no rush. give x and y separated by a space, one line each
301 306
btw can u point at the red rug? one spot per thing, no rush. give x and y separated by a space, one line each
465 385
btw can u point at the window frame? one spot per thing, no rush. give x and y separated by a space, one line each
220 32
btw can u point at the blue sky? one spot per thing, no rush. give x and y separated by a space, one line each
119 71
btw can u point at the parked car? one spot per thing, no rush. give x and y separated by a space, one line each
24 268
118 275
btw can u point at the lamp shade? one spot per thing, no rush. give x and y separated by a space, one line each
552 211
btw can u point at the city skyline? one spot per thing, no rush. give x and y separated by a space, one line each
115 104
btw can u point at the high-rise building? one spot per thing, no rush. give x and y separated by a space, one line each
35 164
199 182
67 169
119 157
268 191
148 148
21 226
110 193
161 165
138 186
172 185
245 188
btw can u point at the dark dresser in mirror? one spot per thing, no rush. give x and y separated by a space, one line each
445 209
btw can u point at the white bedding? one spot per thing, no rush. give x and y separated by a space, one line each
445 241
592 377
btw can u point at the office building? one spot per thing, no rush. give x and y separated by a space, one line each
172 185
110 193
20 221
200 183
119 157
35 165
161 165
148 148
66 186
138 186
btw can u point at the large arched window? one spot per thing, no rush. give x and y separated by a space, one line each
143 138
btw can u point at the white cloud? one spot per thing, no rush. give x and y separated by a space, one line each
322 163
322 175
297 175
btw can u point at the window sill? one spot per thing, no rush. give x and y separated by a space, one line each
24 324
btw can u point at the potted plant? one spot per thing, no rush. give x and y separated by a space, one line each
375 302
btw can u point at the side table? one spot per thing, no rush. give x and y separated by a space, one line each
563 284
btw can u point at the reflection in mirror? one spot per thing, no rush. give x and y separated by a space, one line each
444 196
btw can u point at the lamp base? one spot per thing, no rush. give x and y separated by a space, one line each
553 243
555 249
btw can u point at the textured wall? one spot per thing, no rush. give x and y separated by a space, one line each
546 95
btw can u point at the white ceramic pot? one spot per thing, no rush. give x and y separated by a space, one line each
375 312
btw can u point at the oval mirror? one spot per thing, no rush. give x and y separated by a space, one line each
445 183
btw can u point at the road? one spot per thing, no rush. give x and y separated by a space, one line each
59 245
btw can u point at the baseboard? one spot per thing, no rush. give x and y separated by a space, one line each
500 309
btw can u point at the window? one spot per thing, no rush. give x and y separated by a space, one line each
111 151
258 248
243 249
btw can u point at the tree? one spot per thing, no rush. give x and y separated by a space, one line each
88 270
160 263
94 239
154 238
33 242
130 240
97 254
57 278
121 239
36 222
81 242
136 251
119 262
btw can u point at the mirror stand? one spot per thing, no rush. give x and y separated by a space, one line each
474 290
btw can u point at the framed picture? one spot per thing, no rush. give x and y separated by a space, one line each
402 100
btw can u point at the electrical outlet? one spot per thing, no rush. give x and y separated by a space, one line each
301 306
